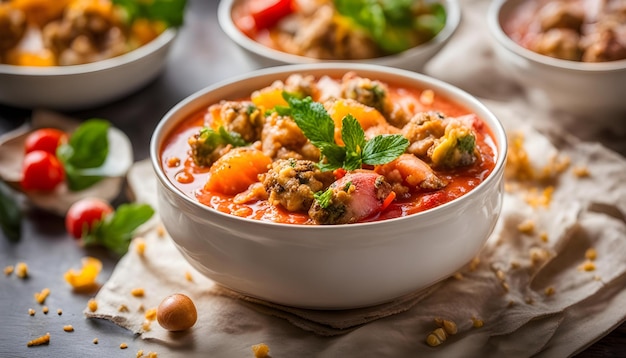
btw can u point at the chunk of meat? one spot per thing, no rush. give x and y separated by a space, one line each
561 14
352 198
369 92
282 138
292 183
558 43
242 117
410 171
422 130
12 27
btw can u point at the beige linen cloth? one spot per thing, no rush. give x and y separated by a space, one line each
534 286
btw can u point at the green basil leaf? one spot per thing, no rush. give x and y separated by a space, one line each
171 12
312 118
384 148
116 231
88 146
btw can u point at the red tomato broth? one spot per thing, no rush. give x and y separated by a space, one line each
460 181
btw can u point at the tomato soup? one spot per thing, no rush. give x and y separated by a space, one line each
329 151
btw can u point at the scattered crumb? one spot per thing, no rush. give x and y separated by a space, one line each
536 199
68 328
123 345
549 291
473 265
21 270
95 341
137 292
45 339
529 300
160 231
526 227
123 308
458 275
140 246
9 270
515 264
500 275
151 314
581 171
31 311
477 322
40 297
139 353
44 309
141 308
543 236
188 276
538 255
152 355
85 279
92 305
587 266
261 350
59 311
591 254
146 326
432 340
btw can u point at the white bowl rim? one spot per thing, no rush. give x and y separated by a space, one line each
493 22
497 129
163 39
453 18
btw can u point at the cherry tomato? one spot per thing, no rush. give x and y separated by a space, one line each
46 139
83 215
41 171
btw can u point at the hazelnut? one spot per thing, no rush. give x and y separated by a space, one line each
177 313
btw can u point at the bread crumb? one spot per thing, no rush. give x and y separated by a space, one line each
140 246
543 236
146 325
139 353
59 311
500 275
31 312
538 254
160 231
505 286
137 292
581 171
21 270
123 345
588 265
68 328
591 254
92 305
529 300
141 308
432 340
40 297
537 199
477 322
44 309
9 270
549 291
152 355
261 350
526 227
95 341
45 339
123 308
473 265
85 279
151 314
457 275
188 276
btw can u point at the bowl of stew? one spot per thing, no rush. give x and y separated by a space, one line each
403 34
571 55
76 54
329 186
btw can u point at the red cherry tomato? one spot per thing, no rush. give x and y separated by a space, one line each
41 171
83 214
46 139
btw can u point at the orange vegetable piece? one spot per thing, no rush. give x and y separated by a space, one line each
365 115
269 97
236 170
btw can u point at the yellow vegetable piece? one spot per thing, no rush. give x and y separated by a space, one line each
366 116
84 279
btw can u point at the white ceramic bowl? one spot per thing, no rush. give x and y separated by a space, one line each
575 87
412 59
334 266
83 86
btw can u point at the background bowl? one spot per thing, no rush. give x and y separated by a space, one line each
576 87
411 59
334 266
82 86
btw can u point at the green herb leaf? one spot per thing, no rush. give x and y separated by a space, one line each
10 215
384 148
116 230
324 198
170 12
312 119
353 137
88 147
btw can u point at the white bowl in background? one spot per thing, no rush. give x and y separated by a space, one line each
411 59
331 266
576 87
82 86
